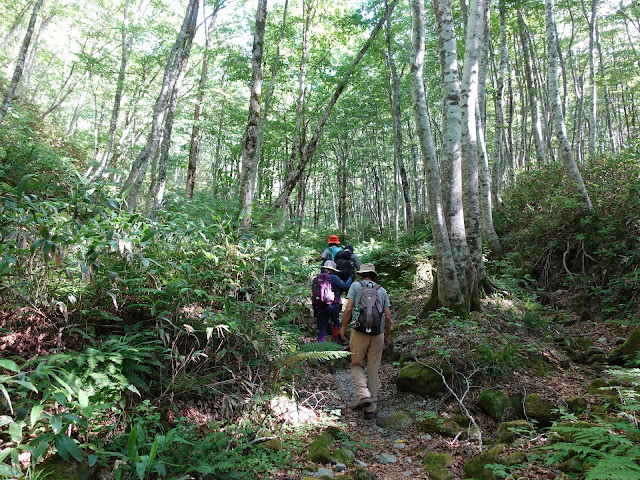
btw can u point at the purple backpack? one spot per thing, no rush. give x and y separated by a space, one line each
321 293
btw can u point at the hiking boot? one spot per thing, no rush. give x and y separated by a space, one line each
369 415
362 403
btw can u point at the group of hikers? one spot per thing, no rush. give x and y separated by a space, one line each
367 313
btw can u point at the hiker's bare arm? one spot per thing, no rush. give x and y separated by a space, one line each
387 327
346 318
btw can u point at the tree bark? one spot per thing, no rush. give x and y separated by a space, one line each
249 146
17 73
449 293
173 71
565 151
397 125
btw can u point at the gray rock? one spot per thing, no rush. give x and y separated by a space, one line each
324 472
603 340
408 460
340 467
408 473
353 424
359 463
386 458
427 437
399 444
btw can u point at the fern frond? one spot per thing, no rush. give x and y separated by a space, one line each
614 468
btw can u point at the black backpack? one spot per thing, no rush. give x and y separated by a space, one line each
369 309
344 264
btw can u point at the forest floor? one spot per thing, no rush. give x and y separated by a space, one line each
563 379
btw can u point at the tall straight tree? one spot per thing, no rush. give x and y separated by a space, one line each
22 56
450 162
470 187
394 86
249 146
564 147
172 73
306 151
449 292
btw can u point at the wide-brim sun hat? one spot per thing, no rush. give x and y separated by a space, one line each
367 268
330 265
334 239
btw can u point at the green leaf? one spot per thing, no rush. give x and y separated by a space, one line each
66 446
15 431
131 443
56 423
27 385
92 458
60 397
5 420
162 471
42 447
83 399
22 185
7 471
9 365
6 396
141 467
36 411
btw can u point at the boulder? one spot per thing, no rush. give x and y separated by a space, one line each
319 449
493 402
577 404
475 466
508 432
629 348
56 468
344 455
540 410
437 465
417 378
396 421
363 474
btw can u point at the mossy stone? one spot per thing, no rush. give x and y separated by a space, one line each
475 466
273 444
577 404
344 455
363 474
574 464
333 432
396 421
437 465
515 458
439 426
513 408
56 468
599 386
319 449
632 345
508 432
417 378
342 477
540 410
493 402
461 419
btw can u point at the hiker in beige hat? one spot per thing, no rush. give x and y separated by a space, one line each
368 310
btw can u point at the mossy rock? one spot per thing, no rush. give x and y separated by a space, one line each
334 432
566 430
319 449
573 464
493 402
540 410
363 474
513 409
600 386
56 468
515 458
344 455
342 477
475 466
508 432
417 378
461 419
577 404
396 421
629 348
437 465
273 444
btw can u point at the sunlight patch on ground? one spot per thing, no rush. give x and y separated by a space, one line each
291 413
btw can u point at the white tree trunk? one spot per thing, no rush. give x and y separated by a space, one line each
564 147
449 291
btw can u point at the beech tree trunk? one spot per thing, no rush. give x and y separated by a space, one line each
470 188
17 73
394 86
449 293
173 71
249 146
564 147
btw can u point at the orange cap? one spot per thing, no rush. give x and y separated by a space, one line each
334 239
